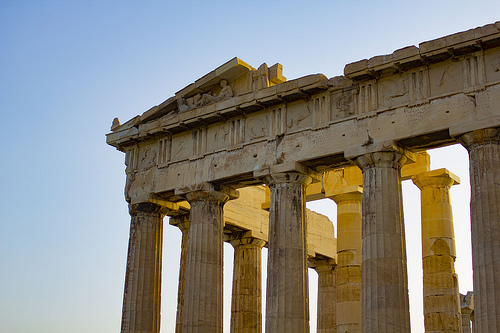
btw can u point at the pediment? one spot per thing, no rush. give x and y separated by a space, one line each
240 78
230 71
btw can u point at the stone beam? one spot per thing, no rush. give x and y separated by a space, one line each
245 215
335 181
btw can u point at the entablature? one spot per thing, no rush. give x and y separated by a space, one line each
232 136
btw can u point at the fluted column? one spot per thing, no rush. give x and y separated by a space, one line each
141 299
327 295
182 222
384 290
440 282
204 259
287 303
349 255
246 302
484 164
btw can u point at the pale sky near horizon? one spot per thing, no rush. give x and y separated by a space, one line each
67 68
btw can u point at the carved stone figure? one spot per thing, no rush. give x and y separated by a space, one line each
183 105
225 93
260 77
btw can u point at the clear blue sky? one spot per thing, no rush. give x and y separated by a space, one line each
67 68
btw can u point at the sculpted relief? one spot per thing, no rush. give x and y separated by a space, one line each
205 99
238 80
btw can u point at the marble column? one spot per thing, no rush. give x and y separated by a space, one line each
384 290
484 163
287 302
327 295
246 302
440 282
204 263
467 311
141 299
182 222
349 255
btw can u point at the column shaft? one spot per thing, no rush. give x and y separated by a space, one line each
203 287
246 302
287 303
141 299
182 222
384 290
484 164
327 295
349 255
440 283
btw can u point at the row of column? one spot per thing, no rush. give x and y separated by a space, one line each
384 285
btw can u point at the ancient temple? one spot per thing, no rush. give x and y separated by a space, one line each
234 156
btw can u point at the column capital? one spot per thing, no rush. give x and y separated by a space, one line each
207 191
356 152
439 177
180 221
348 196
288 178
467 301
222 194
387 159
322 265
146 207
480 137
247 241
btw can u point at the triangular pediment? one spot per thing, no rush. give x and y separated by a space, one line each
230 71
239 77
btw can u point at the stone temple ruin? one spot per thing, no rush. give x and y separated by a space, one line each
202 157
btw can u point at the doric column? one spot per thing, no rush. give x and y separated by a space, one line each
349 255
467 311
246 302
204 259
327 295
141 299
440 283
484 163
182 222
287 303
384 290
